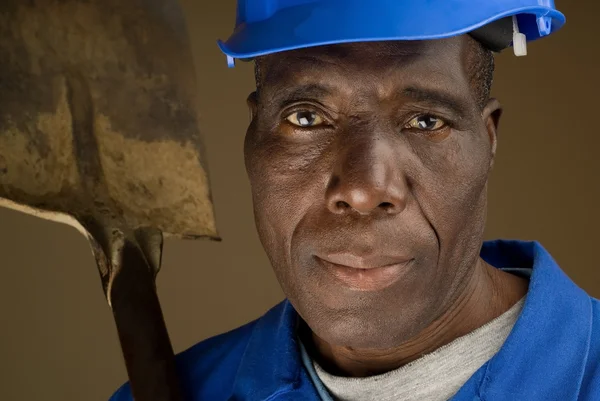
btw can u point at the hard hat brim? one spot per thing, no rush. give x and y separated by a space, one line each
345 21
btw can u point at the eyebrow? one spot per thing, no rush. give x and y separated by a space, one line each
428 96
295 94
437 98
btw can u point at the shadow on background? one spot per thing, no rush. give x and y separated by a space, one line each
58 339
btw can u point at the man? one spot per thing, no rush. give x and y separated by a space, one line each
369 151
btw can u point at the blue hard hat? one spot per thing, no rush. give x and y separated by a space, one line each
270 26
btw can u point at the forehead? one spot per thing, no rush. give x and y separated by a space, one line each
437 63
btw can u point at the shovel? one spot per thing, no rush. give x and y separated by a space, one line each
99 130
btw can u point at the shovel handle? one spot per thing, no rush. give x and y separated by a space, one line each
142 332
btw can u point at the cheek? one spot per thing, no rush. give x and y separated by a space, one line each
469 167
286 180
454 192
456 170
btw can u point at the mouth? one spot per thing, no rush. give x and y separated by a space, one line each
364 274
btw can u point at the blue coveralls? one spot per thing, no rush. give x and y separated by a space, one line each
552 353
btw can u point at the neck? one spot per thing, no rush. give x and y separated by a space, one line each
489 293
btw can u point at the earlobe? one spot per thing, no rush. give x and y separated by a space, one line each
252 102
491 118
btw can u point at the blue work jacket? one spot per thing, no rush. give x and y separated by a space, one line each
552 353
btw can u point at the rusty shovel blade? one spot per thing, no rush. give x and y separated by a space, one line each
99 130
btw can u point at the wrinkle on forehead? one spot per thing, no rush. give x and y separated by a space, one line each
348 53
374 66
345 58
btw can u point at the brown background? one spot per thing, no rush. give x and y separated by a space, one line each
58 341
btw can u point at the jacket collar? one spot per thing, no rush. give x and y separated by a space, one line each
545 355
549 341
271 365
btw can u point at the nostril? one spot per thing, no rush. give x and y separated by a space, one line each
386 205
342 205
339 207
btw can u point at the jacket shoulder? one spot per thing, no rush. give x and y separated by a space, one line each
207 370
590 385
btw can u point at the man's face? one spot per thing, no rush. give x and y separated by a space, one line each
369 164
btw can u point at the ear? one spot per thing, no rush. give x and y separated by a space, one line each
491 118
252 102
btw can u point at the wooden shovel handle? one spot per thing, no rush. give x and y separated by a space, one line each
142 332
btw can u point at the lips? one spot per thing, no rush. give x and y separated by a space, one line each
372 273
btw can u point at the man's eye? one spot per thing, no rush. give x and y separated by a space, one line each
305 119
426 123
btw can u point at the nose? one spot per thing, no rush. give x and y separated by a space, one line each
367 178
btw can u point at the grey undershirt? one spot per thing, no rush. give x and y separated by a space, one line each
434 377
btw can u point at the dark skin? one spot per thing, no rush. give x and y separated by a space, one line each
379 151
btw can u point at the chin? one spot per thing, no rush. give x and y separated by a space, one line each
362 333
365 325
